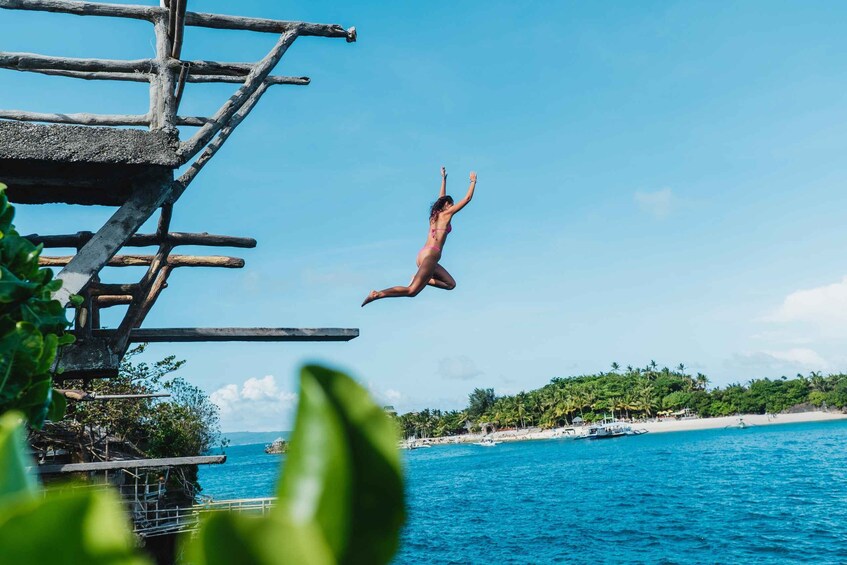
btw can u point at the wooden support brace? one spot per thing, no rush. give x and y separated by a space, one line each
79 271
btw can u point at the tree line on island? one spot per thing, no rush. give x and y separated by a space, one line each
633 393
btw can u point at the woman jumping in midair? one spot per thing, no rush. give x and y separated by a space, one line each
429 271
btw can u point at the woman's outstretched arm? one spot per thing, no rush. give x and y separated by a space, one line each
464 201
443 182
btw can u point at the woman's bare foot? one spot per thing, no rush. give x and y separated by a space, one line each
371 297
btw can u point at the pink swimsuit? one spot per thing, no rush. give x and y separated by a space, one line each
432 231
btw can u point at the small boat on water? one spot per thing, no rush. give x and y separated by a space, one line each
278 445
609 430
486 442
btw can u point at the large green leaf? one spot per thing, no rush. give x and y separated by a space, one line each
226 538
15 480
343 470
70 527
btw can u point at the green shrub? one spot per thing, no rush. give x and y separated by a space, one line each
31 326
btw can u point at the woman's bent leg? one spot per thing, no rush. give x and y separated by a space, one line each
442 279
418 283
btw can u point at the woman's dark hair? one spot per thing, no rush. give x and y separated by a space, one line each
438 206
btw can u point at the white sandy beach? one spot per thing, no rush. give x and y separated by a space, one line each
666 425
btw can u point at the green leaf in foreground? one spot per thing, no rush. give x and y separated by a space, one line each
343 469
341 497
79 526
69 527
14 478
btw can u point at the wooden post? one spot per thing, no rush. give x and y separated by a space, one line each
162 85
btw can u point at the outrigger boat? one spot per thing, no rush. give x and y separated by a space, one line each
486 442
608 430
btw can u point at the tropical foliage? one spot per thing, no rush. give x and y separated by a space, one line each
340 498
634 393
31 326
185 424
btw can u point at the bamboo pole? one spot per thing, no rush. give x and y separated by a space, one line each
173 261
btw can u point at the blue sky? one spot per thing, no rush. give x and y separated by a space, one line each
658 180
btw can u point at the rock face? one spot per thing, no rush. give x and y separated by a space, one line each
279 445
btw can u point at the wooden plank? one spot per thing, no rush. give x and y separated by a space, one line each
146 260
146 240
186 335
198 19
130 464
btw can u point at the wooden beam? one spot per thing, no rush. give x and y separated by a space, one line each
146 240
95 75
30 61
186 335
95 119
271 80
95 396
145 260
33 62
130 464
80 119
83 396
241 73
198 19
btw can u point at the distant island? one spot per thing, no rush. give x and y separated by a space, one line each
639 395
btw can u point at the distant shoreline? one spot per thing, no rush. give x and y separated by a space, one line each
663 426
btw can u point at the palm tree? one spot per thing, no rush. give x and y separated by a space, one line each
702 381
615 366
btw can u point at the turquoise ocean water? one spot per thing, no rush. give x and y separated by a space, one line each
773 494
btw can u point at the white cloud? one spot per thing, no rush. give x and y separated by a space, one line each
824 307
779 362
460 368
658 204
258 405
800 356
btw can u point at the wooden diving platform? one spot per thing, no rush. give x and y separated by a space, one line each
184 335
